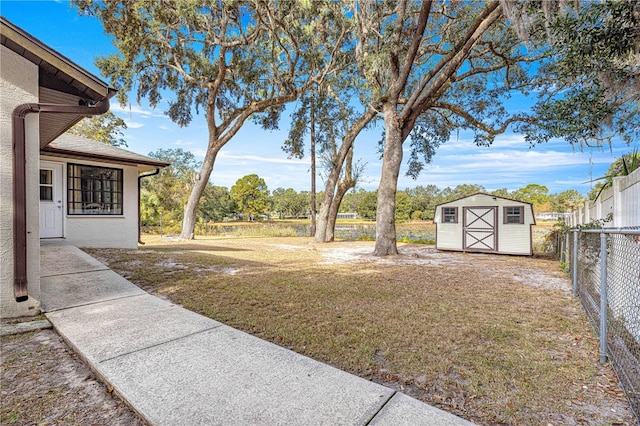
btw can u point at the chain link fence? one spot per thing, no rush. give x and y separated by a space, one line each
605 268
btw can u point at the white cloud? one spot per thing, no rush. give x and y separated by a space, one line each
199 152
135 109
133 124
250 158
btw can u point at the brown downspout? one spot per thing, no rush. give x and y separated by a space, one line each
20 181
139 218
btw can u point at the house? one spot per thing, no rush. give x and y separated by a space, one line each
88 191
87 186
485 223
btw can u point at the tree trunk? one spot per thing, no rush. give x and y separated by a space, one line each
343 187
347 183
391 161
334 175
322 234
313 169
323 214
200 183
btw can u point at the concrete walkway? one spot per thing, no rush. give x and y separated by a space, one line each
175 367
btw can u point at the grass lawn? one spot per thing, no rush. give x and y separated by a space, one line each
493 339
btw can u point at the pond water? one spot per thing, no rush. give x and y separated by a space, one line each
404 232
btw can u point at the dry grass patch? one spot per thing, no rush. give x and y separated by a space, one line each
494 339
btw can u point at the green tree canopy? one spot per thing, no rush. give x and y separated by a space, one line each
620 167
106 128
368 205
532 193
216 204
461 191
502 192
566 201
591 87
424 200
403 206
251 194
287 202
232 60
171 187
351 200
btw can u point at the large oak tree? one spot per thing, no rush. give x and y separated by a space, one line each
430 68
234 60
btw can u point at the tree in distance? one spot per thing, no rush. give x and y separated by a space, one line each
106 128
170 187
251 195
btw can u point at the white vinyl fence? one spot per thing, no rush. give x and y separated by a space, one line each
620 203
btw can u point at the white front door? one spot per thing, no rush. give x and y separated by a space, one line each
51 206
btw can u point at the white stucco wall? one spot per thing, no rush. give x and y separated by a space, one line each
103 231
18 85
512 238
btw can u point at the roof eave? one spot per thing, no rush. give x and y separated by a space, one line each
57 60
64 153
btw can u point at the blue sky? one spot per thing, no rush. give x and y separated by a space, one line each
509 163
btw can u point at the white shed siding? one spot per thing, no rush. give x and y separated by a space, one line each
514 237
104 231
449 236
511 238
18 85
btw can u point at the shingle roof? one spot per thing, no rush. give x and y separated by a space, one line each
72 146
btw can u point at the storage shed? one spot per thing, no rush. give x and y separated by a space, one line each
485 223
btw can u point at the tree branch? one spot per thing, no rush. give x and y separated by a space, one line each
447 66
400 82
479 124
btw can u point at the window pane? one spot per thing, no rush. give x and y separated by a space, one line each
46 177
94 190
513 215
449 214
46 193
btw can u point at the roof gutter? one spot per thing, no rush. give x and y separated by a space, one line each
20 181
139 194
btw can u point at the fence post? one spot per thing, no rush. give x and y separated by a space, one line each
603 297
566 250
574 263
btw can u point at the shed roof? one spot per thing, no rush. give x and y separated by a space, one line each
486 195
73 146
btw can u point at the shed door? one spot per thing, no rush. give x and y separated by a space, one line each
479 228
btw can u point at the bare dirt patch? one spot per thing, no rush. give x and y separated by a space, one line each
44 383
493 339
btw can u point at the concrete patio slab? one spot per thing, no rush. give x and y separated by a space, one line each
57 257
77 289
224 376
402 410
118 327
